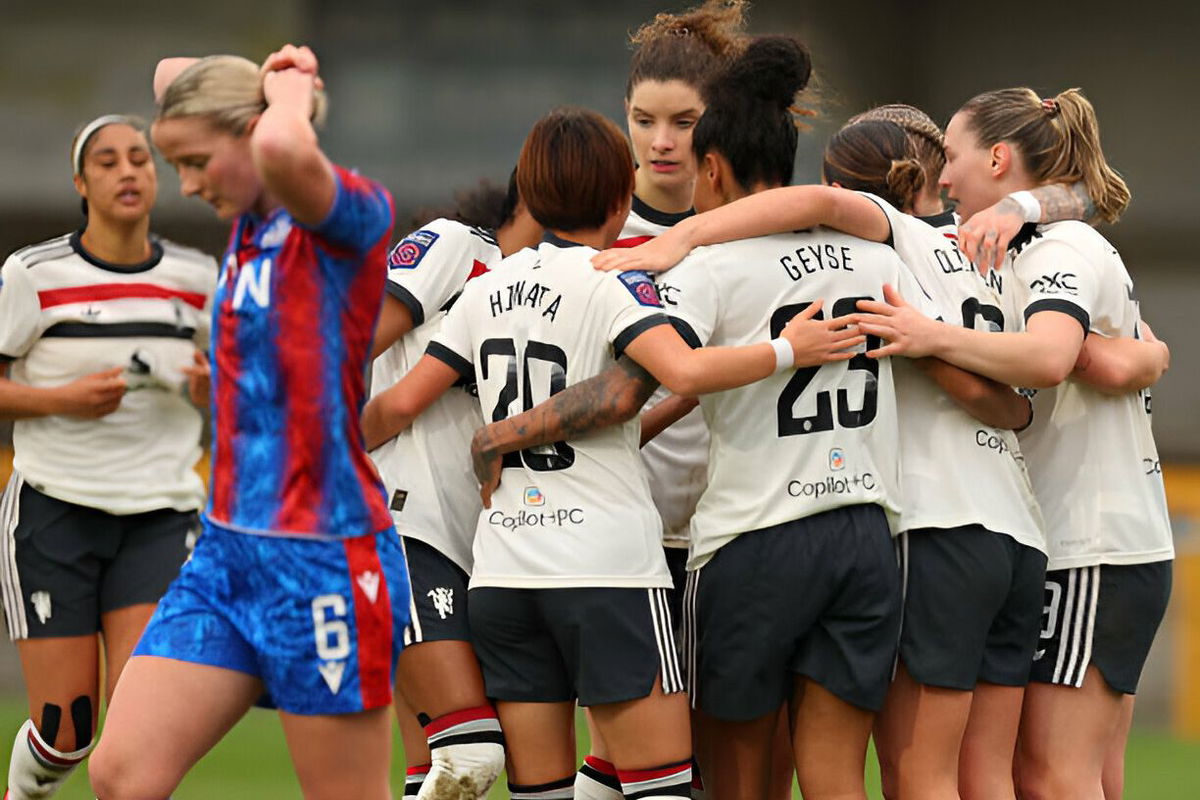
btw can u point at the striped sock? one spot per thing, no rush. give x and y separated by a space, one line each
467 751
667 781
597 780
697 781
555 790
414 778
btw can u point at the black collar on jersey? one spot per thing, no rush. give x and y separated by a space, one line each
659 217
939 220
156 254
558 241
1029 231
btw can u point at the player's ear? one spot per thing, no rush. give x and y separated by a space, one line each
252 124
712 173
1002 159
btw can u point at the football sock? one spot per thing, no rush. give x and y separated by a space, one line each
555 790
667 781
414 778
37 769
597 780
466 748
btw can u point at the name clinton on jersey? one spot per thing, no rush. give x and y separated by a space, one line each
521 295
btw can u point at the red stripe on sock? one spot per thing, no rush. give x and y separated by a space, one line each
447 721
420 769
636 775
601 766
52 757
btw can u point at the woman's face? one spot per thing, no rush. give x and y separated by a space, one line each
968 176
211 163
118 178
661 116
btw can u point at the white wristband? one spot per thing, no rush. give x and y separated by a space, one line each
784 357
1031 209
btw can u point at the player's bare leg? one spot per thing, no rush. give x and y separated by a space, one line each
918 734
416 746
783 768
735 757
442 681
1066 733
541 741
165 715
337 756
62 682
1113 776
122 628
989 744
650 734
829 737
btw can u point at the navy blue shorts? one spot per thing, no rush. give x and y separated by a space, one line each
320 622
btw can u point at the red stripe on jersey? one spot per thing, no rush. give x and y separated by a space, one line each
632 241
302 366
447 721
50 756
951 236
116 291
372 620
227 368
477 269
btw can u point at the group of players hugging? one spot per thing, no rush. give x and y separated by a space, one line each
736 466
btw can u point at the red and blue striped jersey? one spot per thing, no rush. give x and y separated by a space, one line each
293 319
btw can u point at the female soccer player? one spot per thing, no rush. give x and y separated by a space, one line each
98 337
1091 455
567 595
434 503
294 593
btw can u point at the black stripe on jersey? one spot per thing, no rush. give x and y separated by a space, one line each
879 201
415 309
91 330
49 244
558 241
663 218
156 254
1062 306
686 332
635 330
31 260
451 359
5 358
1029 231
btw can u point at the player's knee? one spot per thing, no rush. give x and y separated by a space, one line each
119 776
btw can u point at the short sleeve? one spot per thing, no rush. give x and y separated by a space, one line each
632 307
428 267
361 214
20 311
895 217
691 297
452 343
1060 279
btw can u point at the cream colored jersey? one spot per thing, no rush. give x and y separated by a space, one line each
577 513
432 490
803 441
1091 456
677 459
956 470
65 314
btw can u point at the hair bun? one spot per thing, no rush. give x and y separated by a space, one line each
774 68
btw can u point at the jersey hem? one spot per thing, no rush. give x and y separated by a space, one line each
581 582
117 511
313 536
432 541
1036 541
1112 559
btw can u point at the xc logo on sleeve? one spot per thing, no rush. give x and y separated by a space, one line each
1057 282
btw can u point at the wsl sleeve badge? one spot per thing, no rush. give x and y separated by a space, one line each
411 250
641 287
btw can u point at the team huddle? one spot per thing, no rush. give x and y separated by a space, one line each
753 473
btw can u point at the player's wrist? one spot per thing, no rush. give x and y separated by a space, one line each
1029 207
785 354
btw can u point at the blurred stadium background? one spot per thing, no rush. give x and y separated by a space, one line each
431 97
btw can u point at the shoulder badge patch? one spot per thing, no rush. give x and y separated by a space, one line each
411 250
641 287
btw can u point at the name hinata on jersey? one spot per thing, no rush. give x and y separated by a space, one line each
523 295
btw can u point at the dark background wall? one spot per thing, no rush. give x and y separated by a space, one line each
429 97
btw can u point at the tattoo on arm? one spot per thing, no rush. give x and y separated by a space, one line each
1062 202
607 399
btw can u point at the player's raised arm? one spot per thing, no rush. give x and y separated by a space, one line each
1121 365
284 143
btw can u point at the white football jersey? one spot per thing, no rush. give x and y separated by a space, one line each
802 441
65 314
576 513
677 459
1091 456
956 470
426 470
